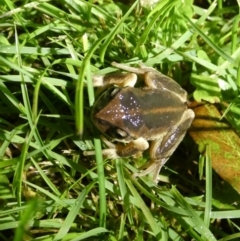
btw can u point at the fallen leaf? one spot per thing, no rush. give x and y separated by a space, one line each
224 143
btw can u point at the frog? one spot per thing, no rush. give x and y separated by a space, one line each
153 117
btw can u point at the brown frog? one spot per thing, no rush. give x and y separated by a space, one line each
154 117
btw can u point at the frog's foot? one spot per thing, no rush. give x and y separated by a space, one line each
154 167
133 148
107 153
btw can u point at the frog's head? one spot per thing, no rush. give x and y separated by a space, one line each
109 114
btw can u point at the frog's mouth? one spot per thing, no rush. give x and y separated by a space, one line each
110 130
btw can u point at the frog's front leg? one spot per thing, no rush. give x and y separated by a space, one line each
133 148
162 149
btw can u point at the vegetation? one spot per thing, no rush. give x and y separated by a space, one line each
49 52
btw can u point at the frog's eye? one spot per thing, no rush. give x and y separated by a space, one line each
117 133
121 133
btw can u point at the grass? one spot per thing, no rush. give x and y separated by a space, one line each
49 52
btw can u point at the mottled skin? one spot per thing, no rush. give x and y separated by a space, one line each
154 117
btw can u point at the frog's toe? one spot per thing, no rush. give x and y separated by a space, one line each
107 153
152 167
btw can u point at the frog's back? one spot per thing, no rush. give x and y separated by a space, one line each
151 111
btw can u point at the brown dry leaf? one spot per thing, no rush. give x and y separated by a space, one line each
224 143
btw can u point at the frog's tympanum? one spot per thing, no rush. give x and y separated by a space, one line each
154 117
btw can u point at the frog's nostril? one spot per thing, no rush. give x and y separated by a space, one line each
102 122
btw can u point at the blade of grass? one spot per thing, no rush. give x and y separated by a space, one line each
56 199
225 214
79 88
208 195
59 14
185 37
101 183
123 190
11 49
90 233
162 8
158 229
155 199
18 175
194 220
234 35
210 43
79 125
27 216
46 179
234 236
238 75
114 31
74 211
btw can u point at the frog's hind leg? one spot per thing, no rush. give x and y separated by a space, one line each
157 80
133 148
119 79
162 149
152 166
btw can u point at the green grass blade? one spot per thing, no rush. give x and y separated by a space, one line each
74 211
208 196
157 228
195 222
210 43
115 30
